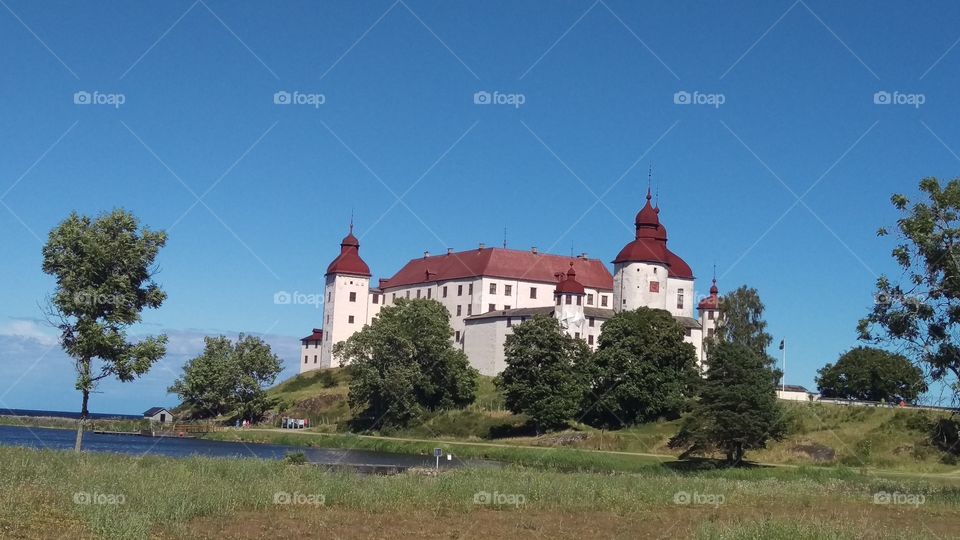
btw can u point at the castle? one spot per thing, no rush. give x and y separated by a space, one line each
488 290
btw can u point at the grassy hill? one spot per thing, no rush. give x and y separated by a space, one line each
819 433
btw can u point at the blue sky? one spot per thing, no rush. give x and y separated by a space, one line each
565 171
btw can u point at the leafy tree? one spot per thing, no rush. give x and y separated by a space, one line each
229 377
921 313
642 370
871 374
737 409
543 375
405 363
741 321
104 272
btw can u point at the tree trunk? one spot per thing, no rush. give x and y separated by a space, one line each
735 454
84 413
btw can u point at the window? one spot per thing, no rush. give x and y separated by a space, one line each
444 291
533 292
654 286
350 319
576 335
603 300
314 359
493 307
304 359
376 298
353 297
589 299
710 314
569 299
469 309
393 299
418 293
329 296
429 293
328 319
579 300
590 321
459 290
457 337
558 299
493 288
509 321
506 307
710 332
687 332
589 340
470 288
459 310
679 298
408 295
508 290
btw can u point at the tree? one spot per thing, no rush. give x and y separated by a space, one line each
543 375
229 377
405 363
921 313
741 321
642 370
871 374
737 409
104 272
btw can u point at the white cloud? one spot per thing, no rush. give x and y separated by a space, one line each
29 330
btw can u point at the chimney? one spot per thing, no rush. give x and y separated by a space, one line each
426 254
534 250
583 256
482 245
449 251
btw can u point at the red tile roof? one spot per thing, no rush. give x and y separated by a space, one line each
317 335
711 302
500 263
570 285
650 244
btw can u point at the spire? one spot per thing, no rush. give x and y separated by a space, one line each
504 238
351 221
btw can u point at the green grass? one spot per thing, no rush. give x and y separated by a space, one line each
162 495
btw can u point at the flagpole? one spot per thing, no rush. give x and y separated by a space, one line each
783 379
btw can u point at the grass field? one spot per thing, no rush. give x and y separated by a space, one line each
57 495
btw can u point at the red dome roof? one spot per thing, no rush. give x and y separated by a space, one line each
650 245
711 302
349 261
570 285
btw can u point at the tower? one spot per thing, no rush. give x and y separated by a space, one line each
345 297
641 268
568 297
709 309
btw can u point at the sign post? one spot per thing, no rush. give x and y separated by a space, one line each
437 452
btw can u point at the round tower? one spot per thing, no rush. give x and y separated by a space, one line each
345 297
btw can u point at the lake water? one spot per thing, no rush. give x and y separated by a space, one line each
62 439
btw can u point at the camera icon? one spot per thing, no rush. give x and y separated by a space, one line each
81 98
281 98
881 98
282 497
481 98
681 497
282 297
81 497
881 497
681 98
482 497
